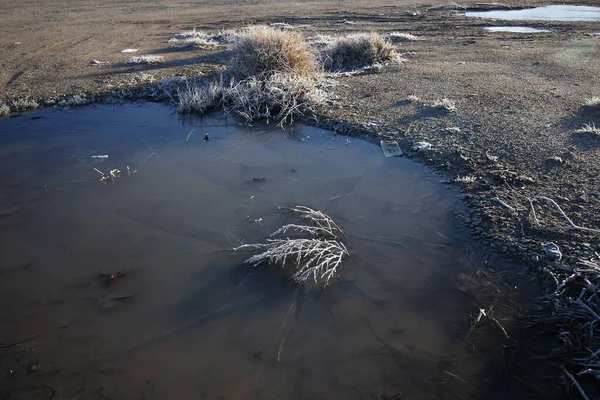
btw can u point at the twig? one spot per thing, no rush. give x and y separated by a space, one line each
502 203
187 139
574 381
459 378
573 225
537 222
17 343
147 158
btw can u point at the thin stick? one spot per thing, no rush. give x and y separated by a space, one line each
579 388
459 378
187 139
573 225
147 158
98 171
17 343
502 203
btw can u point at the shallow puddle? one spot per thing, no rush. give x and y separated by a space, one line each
547 13
515 29
181 316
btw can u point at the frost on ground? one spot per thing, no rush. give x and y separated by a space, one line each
273 73
146 59
310 253
589 128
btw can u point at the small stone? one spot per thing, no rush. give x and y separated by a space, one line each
553 253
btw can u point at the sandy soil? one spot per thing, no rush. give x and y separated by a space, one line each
518 96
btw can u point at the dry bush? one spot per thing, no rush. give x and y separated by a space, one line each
279 96
200 40
4 110
593 102
262 50
397 37
24 105
357 51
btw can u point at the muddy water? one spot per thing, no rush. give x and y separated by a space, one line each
187 320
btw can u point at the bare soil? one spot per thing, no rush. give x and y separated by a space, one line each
518 96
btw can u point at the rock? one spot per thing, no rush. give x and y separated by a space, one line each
553 253
422 146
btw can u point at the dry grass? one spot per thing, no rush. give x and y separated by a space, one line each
147 59
262 50
275 73
278 96
397 37
445 104
357 51
24 105
4 110
592 102
201 40
589 128
309 254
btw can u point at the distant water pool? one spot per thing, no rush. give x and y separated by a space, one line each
547 13
515 29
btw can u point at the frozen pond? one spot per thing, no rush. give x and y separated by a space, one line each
547 13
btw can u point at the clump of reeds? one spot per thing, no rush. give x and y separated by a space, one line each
263 50
357 51
311 253
277 96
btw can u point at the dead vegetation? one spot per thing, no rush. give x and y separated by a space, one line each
263 50
589 128
201 40
357 51
445 104
310 254
146 59
397 37
592 103
4 110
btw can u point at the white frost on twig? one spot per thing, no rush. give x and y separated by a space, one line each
318 256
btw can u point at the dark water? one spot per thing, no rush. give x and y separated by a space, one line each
547 13
188 320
